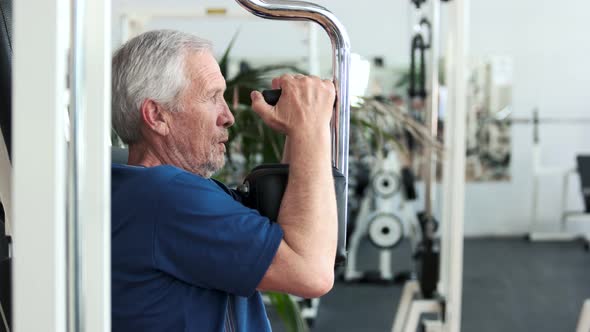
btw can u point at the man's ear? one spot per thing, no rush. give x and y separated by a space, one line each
154 117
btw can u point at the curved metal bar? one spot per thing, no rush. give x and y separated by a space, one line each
306 11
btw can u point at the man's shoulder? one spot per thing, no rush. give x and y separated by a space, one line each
158 179
145 175
169 185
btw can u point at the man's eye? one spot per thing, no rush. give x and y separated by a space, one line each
218 97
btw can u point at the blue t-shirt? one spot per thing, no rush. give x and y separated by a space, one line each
186 255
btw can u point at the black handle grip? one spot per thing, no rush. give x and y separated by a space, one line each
271 96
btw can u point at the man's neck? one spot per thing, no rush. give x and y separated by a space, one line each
142 155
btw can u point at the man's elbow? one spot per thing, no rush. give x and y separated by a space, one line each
319 285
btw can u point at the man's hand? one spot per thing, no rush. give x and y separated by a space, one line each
305 106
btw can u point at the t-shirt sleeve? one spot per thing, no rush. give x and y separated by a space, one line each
204 237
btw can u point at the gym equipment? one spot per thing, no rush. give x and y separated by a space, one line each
418 87
389 184
583 170
441 258
426 253
264 186
584 320
5 164
385 230
418 3
5 278
540 170
6 72
386 184
73 189
41 176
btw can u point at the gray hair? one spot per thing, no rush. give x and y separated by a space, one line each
149 66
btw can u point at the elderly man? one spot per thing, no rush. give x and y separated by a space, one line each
186 255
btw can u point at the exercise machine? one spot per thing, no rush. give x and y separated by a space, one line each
263 188
583 170
540 171
61 242
385 229
445 271
418 295
389 184
5 165
426 253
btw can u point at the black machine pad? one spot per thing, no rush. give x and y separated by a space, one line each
266 186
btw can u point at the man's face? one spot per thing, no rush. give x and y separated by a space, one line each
199 131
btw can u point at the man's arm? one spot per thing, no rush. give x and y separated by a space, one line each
286 152
304 263
286 148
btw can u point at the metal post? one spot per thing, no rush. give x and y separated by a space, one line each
411 289
454 166
564 196
432 108
76 116
95 208
39 178
536 170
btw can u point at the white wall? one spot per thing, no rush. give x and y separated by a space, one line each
546 39
376 28
548 43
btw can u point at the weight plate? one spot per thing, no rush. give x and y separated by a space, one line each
386 184
385 230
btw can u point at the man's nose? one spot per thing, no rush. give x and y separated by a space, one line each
227 118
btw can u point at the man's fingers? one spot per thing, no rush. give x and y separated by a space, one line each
259 105
276 83
264 110
328 82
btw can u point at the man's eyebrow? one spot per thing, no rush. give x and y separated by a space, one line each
218 89
213 88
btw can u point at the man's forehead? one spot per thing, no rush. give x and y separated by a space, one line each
205 69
